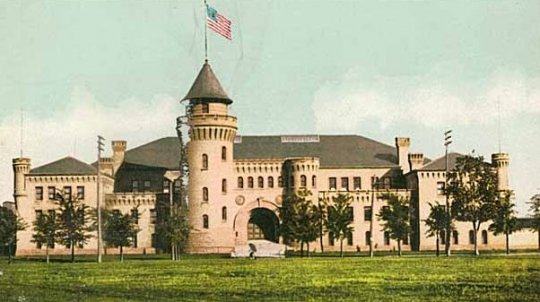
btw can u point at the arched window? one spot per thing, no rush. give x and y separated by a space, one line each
270 182
224 213
240 183
205 194
224 153
471 237
205 222
303 181
455 235
224 185
368 237
314 181
280 182
250 182
484 237
260 182
205 162
386 238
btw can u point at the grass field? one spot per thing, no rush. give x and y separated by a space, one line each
459 278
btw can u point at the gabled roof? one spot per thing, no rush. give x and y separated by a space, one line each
163 153
65 166
207 86
439 164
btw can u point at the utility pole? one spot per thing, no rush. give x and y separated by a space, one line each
447 142
100 145
373 185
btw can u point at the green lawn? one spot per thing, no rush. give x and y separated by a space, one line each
465 278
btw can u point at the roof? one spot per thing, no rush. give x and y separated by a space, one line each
332 150
207 86
439 164
65 166
164 153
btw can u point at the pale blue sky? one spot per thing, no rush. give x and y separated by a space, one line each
375 68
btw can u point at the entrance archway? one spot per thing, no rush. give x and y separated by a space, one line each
263 224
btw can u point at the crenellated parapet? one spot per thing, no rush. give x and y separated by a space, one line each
130 199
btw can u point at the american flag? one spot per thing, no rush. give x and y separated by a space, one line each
218 23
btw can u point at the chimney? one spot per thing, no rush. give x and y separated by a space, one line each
402 146
416 161
119 151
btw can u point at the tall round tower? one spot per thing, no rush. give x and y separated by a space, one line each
210 156
501 161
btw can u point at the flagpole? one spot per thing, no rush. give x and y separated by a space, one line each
205 32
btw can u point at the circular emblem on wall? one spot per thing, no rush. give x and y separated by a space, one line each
279 200
240 200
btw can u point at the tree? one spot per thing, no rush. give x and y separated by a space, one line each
535 215
120 230
73 222
10 224
175 228
473 189
395 217
45 227
339 218
505 221
436 222
301 219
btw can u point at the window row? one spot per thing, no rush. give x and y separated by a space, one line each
52 191
455 237
206 220
146 186
376 182
386 241
205 158
270 182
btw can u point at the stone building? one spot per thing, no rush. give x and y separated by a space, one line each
236 183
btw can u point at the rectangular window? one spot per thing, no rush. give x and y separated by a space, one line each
350 213
345 183
80 192
357 183
153 216
39 193
147 185
166 186
177 186
205 108
367 213
135 216
67 192
332 183
440 187
387 182
51 192
134 186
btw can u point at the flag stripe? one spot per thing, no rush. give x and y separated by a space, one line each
221 25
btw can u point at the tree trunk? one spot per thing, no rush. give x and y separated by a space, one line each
437 244
302 249
321 239
399 247
121 253
538 231
507 243
308 251
341 247
9 253
173 254
72 252
47 253
475 231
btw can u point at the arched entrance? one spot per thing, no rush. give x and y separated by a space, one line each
263 224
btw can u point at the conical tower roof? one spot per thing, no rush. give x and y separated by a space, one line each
207 86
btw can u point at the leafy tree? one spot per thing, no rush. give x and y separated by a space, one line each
535 215
301 219
473 189
395 217
505 221
436 222
119 230
10 224
175 228
45 227
73 222
340 218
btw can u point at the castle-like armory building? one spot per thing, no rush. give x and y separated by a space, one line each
237 183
